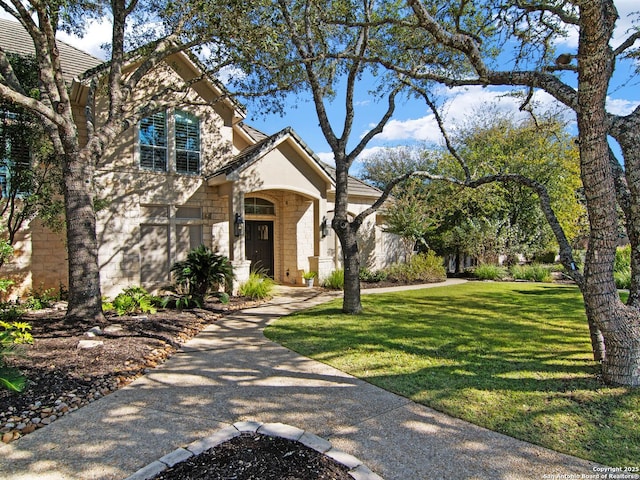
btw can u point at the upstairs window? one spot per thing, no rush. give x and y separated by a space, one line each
170 140
15 178
153 142
187 143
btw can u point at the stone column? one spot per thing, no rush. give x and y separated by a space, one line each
236 208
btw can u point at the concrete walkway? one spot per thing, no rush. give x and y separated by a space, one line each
231 373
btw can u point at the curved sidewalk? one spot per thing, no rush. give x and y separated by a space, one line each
231 373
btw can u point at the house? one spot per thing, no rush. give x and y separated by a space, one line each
194 172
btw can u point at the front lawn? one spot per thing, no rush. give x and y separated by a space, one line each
511 357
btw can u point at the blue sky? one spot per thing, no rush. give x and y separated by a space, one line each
412 122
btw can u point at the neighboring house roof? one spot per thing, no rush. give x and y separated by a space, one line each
15 39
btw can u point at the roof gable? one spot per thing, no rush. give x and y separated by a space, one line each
265 144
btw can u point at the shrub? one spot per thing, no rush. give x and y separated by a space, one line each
489 272
424 267
132 300
545 257
39 299
623 279
369 276
622 267
623 259
203 271
335 280
531 273
11 335
10 312
258 287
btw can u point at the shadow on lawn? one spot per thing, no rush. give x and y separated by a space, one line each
489 354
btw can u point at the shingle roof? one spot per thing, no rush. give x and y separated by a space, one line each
356 186
253 132
15 39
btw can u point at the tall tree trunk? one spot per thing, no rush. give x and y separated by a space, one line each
85 302
628 136
620 325
348 235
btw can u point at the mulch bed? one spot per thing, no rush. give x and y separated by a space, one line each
258 457
63 377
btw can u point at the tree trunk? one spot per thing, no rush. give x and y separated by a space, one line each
347 234
618 323
628 136
85 300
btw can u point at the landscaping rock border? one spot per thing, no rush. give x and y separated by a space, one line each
357 469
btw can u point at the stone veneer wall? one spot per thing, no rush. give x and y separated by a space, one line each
39 261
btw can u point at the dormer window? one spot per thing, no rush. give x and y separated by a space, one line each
170 140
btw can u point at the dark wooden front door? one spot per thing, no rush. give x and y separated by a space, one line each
259 245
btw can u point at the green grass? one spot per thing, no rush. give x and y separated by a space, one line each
511 357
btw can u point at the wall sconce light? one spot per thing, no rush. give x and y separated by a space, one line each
324 227
238 225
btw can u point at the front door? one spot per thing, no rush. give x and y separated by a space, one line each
259 245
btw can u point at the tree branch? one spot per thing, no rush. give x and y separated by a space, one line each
628 43
377 128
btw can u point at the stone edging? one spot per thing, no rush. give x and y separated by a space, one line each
356 468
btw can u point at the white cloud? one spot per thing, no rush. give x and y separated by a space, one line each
326 157
619 106
461 104
624 23
97 33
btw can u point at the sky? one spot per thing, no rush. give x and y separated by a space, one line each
412 121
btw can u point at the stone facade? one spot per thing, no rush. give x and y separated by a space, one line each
151 219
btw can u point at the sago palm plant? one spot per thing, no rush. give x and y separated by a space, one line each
202 273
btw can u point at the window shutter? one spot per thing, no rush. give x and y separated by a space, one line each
187 143
153 142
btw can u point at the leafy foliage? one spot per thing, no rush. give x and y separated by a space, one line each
496 218
531 273
371 276
487 271
309 275
39 299
257 287
31 169
12 334
203 273
335 280
424 267
132 300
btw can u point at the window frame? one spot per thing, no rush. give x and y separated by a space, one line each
191 151
154 147
15 159
176 143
